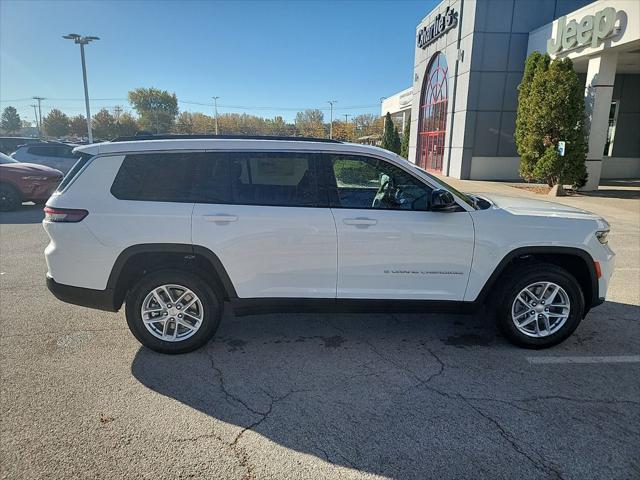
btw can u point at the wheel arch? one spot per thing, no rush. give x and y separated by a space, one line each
137 260
576 261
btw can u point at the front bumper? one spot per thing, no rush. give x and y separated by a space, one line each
85 297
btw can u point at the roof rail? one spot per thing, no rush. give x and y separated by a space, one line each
222 137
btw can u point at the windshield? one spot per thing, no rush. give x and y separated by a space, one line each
6 159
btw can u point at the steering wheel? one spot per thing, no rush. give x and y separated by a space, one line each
386 195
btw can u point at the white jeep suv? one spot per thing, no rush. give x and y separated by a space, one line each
174 227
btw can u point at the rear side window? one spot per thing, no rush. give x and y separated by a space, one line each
45 151
285 179
158 177
71 174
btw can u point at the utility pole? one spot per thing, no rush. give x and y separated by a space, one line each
346 118
82 41
331 102
117 111
39 99
35 114
215 112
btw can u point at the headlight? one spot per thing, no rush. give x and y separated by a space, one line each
34 177
603 236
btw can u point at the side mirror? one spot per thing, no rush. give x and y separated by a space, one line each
442 201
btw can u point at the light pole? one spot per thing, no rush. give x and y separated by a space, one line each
82 41
39 99
35 113
331 102
215 112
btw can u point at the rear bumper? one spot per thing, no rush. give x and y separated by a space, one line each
85 297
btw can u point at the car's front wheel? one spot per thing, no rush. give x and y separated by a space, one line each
540 305
172 311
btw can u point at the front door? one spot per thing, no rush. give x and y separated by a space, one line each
259 213
390 246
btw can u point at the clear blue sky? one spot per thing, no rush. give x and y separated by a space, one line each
290 55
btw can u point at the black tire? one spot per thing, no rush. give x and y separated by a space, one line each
10 198
211 304
515 280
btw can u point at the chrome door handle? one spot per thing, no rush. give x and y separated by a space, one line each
220 218
360 221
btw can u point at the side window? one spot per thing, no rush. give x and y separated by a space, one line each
370 183
43 151
273 178
158 177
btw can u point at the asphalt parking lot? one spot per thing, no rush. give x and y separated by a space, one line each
408 396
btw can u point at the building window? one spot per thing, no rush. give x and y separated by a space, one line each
611 131
433 115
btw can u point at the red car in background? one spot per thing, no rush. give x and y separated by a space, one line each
24 182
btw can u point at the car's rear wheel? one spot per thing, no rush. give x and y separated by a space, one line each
540 305
9 198
172 311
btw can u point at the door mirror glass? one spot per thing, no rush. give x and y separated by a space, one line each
443 201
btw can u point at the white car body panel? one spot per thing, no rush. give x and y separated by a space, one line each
514 223
271 251
111 226
404 255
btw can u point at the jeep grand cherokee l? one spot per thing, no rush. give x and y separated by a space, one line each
175 227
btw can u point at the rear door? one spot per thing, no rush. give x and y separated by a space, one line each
259 212
390 246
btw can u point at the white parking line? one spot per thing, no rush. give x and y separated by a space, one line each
585 359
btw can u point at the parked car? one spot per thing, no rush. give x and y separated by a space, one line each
8 145
176 227
25 182
52 154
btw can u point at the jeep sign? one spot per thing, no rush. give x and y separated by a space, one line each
441 25
591 29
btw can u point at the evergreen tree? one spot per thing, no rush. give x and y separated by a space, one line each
390 137
404 147
10 121
56 124
551 109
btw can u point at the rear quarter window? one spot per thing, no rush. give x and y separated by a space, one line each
71 174
158 177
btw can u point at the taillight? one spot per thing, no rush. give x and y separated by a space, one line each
70 215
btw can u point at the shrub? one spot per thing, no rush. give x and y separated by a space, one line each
551 109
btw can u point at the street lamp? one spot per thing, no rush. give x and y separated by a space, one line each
82 41
215 112
331 102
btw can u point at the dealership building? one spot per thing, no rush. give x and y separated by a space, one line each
469 59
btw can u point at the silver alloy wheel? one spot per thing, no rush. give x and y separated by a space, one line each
172 313
540 309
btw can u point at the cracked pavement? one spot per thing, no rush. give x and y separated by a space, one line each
402 396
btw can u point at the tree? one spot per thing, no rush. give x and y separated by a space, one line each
78 126
10 121
344 131
551 109
404 147
126 125
56 124
157 109
390 137
103 125
310 123
184 123
203 123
